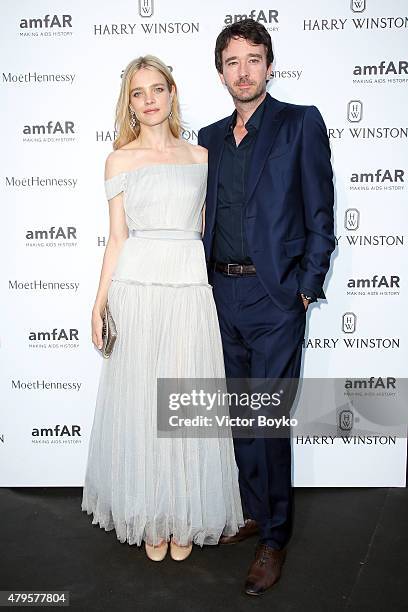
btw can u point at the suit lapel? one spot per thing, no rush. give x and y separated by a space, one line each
271 123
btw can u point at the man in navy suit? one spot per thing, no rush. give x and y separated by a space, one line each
268 239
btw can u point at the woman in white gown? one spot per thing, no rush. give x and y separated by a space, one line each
154 276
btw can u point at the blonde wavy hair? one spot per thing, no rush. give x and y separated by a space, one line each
125 133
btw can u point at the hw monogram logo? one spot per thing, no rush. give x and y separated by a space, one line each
352 219
358 6
346 420
348 324
355 111
146 8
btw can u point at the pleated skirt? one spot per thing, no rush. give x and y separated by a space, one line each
145 487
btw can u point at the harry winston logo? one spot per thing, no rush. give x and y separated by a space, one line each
146 8
355 111
348 324
352 219
358 6
346 419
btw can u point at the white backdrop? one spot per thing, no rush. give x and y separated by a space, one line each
60 77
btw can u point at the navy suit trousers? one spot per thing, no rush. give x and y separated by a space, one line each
261 340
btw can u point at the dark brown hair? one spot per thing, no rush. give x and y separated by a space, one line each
249 29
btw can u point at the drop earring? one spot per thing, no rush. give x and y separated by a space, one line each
133 119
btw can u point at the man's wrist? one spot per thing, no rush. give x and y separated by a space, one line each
308 294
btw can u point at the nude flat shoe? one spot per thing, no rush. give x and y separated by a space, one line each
179 553
156 553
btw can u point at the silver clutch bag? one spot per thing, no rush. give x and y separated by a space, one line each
109 332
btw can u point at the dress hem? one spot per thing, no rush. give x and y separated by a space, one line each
201 537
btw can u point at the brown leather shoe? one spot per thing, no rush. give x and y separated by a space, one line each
265 571
247 531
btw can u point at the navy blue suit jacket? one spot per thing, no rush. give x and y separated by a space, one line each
288 208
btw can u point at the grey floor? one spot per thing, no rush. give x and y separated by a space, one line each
349 551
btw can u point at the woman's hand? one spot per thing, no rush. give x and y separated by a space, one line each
97 328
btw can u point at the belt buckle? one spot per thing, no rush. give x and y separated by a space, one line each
234 264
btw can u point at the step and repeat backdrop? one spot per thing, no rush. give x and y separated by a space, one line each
60 76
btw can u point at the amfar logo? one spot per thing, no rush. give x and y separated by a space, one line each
375 281
59 434
348 323
358 6
54 21
146 8
377 285
270 16
371 383
390 67
49 26
355 111
352 219
57 127
55 339
53 233
53 131
55 334
379 176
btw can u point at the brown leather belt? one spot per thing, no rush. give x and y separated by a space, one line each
234 269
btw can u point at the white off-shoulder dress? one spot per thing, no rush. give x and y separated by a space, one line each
143 486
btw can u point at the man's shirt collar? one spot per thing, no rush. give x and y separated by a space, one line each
253 123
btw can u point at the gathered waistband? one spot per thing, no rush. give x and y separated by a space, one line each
165 234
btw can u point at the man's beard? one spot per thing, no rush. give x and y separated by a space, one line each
260 90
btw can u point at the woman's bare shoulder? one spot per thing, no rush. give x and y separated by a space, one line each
113 164
198 153
120 160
